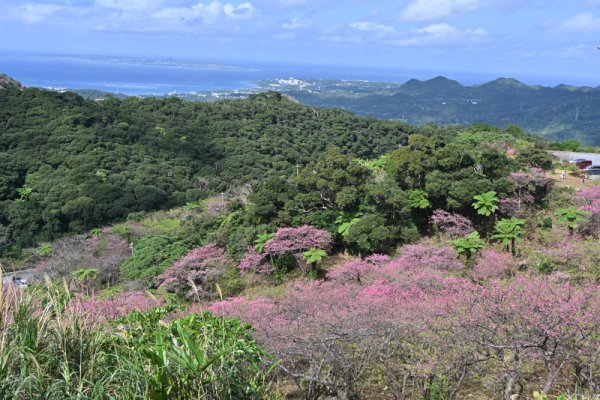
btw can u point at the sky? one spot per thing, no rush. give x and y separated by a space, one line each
517 38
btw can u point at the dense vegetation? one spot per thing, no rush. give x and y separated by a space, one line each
69 164
435 263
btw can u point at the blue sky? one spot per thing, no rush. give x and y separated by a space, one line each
497 37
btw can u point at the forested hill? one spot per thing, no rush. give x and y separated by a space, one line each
561 112
69 164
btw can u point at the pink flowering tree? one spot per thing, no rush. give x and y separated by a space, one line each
196 274
589 200
106 309
415 257
297 242
255 262
493 264
452 224
525 323
510 206
530 185
328 333
355 270
104 252
409 318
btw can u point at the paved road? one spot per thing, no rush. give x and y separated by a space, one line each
27 274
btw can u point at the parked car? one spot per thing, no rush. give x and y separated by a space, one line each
592 170
577 160
19 282
583 164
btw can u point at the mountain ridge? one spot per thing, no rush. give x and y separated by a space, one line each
556 113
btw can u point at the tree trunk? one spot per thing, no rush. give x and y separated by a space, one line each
512 376
458 384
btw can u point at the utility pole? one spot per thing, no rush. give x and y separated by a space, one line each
222 198
577 114
298 169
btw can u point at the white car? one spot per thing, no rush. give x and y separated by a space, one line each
19 282
592 170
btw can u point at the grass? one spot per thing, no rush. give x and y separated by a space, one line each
50 351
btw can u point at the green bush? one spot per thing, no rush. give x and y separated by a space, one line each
152 255
231 281
199 356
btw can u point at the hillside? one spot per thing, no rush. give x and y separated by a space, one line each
456 248
558 113
69 164
290 268
8 82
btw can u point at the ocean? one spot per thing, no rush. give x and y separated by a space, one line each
135 76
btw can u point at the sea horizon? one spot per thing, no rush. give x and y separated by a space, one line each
160 76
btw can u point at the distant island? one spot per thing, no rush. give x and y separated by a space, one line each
167 62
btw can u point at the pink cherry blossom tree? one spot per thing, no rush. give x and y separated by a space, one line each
524 323
196 274
452 224
493 264
294 241
106 309
415 256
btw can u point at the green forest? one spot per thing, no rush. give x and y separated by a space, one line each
70 164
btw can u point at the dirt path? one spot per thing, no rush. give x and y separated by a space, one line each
571 181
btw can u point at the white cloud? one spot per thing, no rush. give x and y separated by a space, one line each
369 26
125 4
209 13
428 10
579 52
584 22
240 11
441 35
292 3
35 12
296 23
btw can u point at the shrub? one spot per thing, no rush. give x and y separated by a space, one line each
152 255
198 356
